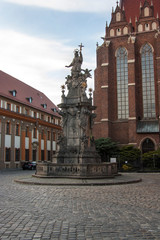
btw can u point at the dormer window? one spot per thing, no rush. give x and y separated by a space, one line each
44 106
54 109
30 99
13 92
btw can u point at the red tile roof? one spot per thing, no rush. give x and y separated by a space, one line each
132 8
24 91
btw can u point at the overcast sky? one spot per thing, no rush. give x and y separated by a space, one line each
38 38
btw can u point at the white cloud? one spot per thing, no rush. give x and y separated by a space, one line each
37 62
69 5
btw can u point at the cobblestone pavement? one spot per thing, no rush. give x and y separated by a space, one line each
118 212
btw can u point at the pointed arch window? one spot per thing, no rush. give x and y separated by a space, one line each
148 84
122 83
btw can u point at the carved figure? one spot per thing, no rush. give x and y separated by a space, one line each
87 73
76 63
64 118
68 82
84 143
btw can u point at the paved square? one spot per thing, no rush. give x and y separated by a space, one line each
116 212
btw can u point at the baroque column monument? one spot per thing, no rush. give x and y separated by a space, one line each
76 155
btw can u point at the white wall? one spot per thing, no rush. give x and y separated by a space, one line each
48 145
42 144
8 141
26 143
54 146
17 142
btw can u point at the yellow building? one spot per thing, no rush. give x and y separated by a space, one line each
29 124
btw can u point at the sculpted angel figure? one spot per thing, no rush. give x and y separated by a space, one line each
76 63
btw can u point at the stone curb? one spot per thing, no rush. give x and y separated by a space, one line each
83 183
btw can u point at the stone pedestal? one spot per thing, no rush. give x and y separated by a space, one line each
67 170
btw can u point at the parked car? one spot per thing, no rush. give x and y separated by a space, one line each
29 166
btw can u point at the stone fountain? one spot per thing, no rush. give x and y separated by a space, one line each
76 155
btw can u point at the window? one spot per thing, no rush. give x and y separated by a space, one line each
14 93
148 84
42 155
54 109
48 135
53 120
17 109
147 145
42 135
42 116
27 131
17 154
8 128
8 154
122 83
26 111
54 136
30 100
118 31
49 155
147 27
35 114
26 154
34 155
17 130
44 105
35 133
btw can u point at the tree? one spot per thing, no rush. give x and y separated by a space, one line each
106 148
151 159
130 154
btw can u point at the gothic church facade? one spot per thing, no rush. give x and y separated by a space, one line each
127 76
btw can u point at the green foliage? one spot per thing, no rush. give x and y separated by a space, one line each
130 154
106 148
151 159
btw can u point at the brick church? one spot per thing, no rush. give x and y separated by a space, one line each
127 76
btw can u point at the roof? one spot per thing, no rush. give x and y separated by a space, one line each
132 8
24 91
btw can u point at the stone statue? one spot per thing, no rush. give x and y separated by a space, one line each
76 154
76 63
77 116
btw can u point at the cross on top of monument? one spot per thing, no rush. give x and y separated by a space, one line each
81 46
117 3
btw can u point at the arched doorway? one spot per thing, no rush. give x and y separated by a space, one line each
148 145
